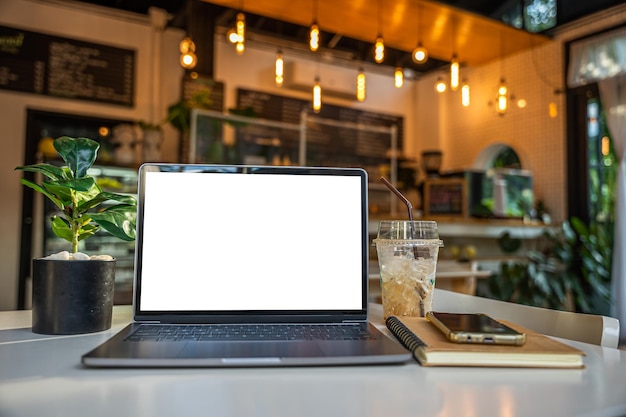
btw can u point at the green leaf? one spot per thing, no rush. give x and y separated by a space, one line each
87 231
61 228
84 188
78 153
558 288
107 196
118 220
50 171
41 190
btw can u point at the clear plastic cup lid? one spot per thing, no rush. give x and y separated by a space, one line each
408 230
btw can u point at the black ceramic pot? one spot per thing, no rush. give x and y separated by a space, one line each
72 297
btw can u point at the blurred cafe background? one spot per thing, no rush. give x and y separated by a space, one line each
503 121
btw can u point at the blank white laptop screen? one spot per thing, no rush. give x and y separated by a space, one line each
238 242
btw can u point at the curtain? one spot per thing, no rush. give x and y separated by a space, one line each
597 58
613 96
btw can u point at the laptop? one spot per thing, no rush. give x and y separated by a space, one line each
257 249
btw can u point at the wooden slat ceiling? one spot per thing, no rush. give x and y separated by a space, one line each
476 40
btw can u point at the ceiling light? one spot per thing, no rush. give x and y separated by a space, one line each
187 45
240 28
232 37
552 110
314 32
419 54
454 73
398 77
379 45
360 86
465 94
279 69
440 85
502 99
317 95
454 62
188 58
314 37
379 50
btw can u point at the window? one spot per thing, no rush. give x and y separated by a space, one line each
498 155
592 163
506 158
601 163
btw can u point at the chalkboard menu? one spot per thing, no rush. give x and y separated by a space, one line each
54 66
339 144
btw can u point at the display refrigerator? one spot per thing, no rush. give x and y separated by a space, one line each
37 238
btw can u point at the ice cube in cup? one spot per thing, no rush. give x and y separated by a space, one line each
407 256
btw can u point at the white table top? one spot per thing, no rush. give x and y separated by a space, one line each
42 376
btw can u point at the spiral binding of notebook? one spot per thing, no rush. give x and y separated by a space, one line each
407 337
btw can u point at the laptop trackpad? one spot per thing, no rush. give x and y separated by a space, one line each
261 349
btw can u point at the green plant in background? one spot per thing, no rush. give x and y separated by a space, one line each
77 194
179 113
543 278
595 254
571 272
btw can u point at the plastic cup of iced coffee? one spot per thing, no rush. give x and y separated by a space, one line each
407 256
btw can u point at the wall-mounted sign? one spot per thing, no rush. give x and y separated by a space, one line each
325 144
60 67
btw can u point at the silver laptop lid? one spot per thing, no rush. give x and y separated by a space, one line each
220 243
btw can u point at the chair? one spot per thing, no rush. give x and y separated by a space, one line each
588 328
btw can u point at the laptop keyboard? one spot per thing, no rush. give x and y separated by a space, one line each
234 332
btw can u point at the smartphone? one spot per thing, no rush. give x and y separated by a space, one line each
474 328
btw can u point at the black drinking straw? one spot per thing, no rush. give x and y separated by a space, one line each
409 207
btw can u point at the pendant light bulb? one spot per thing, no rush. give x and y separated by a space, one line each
502 104
231 35
314 37
360 86
398 77
240 28
440 85
187 45
465 94
502 100
317 95
379 50
553 110
188 60
279 69
419 54
454 73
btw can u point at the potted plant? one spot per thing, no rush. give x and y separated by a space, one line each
72 292
570 272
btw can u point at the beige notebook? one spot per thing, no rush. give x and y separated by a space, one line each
431 348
